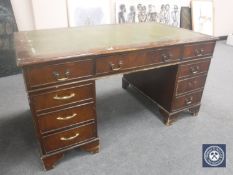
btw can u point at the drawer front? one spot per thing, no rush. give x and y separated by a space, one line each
55 73
61 97
66 117
194 68
68 138
121 62
190 84
186 101
198 50
169 54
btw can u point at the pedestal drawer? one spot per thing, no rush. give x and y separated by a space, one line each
55 73
66 117
190 84
187 100
56 98
193 68
198 50
68 138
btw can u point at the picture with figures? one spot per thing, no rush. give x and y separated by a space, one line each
88 12
134 11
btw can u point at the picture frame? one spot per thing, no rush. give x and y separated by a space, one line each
137 11
203 16
89 12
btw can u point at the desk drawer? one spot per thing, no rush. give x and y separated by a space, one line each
190 84
198 50
121 62
66 117
193 68
56 73
60 97
68 138
187 100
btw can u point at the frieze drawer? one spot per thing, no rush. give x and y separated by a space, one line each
198 50
42 75
131 60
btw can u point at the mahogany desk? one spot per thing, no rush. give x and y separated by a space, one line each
166 64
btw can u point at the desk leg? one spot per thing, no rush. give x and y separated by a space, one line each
92 147
125 83
169 119
50 161
195 110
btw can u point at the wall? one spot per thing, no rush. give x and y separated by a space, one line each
223 24
24 14
45 15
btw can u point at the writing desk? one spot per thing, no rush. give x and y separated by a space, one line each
166 64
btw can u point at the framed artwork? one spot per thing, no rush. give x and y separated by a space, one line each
133 11
203 16
186 18
89 12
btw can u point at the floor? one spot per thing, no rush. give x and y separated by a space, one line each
133 138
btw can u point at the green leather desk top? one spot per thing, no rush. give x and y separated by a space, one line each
45 45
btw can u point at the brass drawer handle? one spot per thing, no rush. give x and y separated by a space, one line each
166 57
57 75
69 138
62 79
199 52
202 51
67 118
64 97
189 100
194 69
116 68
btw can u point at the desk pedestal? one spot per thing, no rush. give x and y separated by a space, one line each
167 88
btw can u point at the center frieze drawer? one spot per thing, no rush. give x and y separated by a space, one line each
63 96
69 137
66 117
130 60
